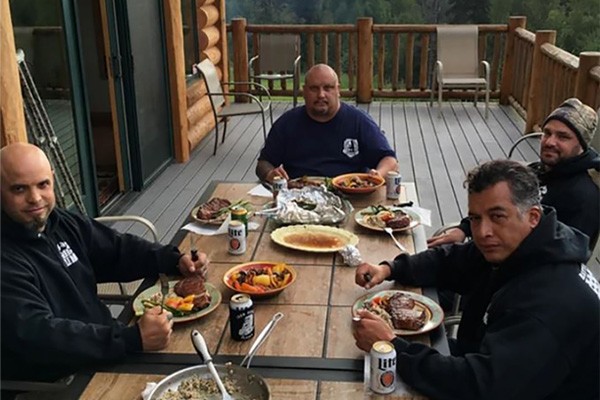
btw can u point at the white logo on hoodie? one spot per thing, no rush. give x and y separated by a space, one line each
69 257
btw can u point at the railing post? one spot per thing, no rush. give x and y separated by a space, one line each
364 73
584 86
534 103
240 53
509 57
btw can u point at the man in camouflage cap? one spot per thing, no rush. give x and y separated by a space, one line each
568 170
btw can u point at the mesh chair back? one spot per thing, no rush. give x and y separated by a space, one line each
457 49
277 52
213 84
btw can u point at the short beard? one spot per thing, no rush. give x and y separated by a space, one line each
38 224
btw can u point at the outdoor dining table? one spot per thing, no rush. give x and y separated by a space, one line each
311 353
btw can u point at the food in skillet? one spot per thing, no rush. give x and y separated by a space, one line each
382 216
189 296
399 311
196 387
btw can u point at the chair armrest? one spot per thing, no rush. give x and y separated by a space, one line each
486 68
251 63
521 139
297 63
248 95
131 218
446 228
438 70
255 84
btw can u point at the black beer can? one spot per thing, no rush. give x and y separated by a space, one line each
241 317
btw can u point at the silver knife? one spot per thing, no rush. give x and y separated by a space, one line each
164 289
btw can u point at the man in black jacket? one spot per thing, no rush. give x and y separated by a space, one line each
568 170
530 329
53 322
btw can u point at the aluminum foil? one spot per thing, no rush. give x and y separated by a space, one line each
310 205
351 255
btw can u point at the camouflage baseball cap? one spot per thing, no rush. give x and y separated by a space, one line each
580 118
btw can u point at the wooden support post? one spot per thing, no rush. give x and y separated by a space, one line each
364 71
240 53
177 87
222 25
12 117
585 87
509 57
534 103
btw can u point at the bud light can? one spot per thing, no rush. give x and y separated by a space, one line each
241 317
237 237
383 367
393 182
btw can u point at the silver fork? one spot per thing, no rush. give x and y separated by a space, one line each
398 244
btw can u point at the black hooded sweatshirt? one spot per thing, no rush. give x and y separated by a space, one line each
53 322
530 329
569 188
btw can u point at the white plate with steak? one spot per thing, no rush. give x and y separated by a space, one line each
378 217
213 212
407 313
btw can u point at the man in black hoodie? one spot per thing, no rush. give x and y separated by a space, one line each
530 328
568 170
53 322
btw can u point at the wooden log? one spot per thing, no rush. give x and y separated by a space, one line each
197 111
351 60
585 87
395 60
12 117
195 90
310 50
302 28
324 48
508 71
424 61
380 60
364 71
209 37
213 54
206 16
410 50
177 86
200 3
222 25
338 54
240 53
200 130
534 110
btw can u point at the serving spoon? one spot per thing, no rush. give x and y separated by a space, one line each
200 345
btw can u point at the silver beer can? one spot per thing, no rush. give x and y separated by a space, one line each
279 184
393 182
237 237
383 367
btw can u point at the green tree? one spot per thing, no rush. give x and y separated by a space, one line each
469 11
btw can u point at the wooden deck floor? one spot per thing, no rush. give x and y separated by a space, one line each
434 152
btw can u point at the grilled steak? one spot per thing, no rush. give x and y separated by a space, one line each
191 285
404 315
201 301
398 222
211 207
403 318
400 300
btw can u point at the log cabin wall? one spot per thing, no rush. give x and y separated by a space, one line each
212 42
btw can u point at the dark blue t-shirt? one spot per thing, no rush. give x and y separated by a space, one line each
350 142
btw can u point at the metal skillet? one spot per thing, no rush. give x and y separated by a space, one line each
250 386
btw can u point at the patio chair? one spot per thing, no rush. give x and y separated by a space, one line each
278 59
533 135
457 65
222 109
104 289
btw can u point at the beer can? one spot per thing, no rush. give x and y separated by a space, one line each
241 317
393 182
279 184
240 214
237 237
383 367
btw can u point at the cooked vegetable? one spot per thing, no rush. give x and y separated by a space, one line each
260 279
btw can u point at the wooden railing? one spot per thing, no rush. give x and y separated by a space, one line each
372 60
395 61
